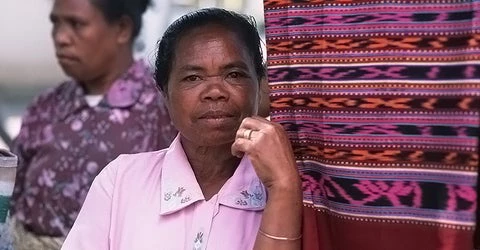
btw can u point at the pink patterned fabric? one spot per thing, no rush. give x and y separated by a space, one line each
381 101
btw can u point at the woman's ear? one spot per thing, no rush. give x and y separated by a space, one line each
264 99
125 30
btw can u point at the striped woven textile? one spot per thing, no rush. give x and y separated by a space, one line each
381 101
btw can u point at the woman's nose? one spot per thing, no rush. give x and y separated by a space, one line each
60 36
215 89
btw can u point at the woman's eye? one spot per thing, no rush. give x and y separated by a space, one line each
76 24
192 78
235 75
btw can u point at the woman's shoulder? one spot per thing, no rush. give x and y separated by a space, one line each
142 157
52 95
129 173
44 106
136 165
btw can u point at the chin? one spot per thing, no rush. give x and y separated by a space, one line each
212 139
217 140
72 73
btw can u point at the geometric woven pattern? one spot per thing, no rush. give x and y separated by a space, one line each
381 100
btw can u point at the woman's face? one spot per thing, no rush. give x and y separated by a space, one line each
212 86
85 43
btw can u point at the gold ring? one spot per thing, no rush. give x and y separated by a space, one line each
247 134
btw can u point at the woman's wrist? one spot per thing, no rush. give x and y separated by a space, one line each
284 201
287 185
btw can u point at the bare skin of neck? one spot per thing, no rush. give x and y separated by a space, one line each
101 84
212 166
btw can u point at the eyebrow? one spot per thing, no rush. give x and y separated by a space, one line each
235 64
56 16
190 67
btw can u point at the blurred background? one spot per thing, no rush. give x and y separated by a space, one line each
27 60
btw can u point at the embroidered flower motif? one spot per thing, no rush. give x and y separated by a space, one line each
179 192
241 202
178 196
197 243
257 198
245 194
254 198
167 196
185 200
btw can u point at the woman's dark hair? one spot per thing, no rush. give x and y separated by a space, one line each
243 26
115 9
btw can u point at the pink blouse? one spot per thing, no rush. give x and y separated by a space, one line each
153 201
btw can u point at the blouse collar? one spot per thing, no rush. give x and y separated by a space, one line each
180 188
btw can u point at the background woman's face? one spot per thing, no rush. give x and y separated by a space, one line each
212 86
85 43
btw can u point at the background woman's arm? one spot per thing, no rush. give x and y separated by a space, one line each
92 226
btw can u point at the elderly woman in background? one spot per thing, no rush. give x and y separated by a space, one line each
228 180
71 132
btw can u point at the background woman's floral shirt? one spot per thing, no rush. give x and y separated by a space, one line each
64 143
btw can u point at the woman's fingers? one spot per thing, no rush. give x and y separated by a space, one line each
239 147
256 131
255 123
268 148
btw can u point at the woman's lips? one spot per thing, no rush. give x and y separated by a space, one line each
217 118
216 115
66 59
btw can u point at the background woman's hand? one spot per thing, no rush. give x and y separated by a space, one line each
267 146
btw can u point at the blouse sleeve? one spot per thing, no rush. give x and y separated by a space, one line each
21 147
91 229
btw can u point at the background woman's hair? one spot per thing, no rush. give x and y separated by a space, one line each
243 26
115 9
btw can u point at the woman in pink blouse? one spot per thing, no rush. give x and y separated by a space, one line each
228 180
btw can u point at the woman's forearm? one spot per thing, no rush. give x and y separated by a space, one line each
281 226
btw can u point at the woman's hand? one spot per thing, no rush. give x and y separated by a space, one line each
266 145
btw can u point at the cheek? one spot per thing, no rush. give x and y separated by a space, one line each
99 44
251 98
178 107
